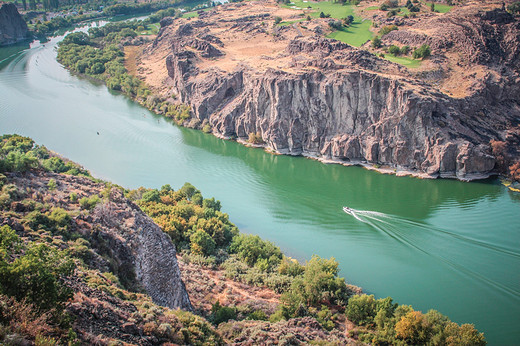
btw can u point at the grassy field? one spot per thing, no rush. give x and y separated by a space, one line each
152 29
356 34
407 62
441 8
193 14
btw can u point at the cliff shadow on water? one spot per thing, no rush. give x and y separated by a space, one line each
332 186
8 53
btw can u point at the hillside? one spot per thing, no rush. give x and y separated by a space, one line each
261 72
81 263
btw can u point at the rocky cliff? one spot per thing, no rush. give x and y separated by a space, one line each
125 240
307 95
12 26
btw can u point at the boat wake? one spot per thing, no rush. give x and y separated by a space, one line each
412 234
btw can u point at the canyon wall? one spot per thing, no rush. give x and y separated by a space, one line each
336 102
12 26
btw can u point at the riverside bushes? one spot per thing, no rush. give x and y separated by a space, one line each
20 154
389 324
99 55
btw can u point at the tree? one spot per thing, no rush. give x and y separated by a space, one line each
465 334
394 50
321 284
422 52
348 20
413 328
432 7
376 42
361 309
202 243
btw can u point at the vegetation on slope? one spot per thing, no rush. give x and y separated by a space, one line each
44 239
99 54
206 236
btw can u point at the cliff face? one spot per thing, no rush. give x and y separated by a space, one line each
12 26
138 240
142 255
322 98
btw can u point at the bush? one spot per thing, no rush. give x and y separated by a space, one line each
514 8
361 309
90 202
336 24
394 50
36 275
376 42
202 243
386 29
221 313
252 248
422 52
277 20
255 138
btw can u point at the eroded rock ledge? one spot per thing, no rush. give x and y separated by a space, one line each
321 98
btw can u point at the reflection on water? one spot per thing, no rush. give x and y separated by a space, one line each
437 244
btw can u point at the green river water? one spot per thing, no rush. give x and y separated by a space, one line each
434 244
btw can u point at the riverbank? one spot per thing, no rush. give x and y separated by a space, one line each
110 247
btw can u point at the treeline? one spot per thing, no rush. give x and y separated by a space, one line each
91 11
99 54
384 322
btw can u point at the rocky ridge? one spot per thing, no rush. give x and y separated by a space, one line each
12 26
321 98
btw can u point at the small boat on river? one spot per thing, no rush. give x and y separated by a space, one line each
348 210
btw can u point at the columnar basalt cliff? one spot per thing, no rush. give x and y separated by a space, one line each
12 26
307 95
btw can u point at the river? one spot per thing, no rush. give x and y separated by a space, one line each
434 244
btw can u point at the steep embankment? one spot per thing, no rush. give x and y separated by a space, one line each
12 26
306 95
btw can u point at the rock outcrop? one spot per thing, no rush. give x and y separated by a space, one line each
140 253
138 240
12 26
321 98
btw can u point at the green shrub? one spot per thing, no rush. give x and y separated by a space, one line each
386 29
221 313
51 185
252 248
422 52
361 309
376 42
89 203
394 50
36 275
202 243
